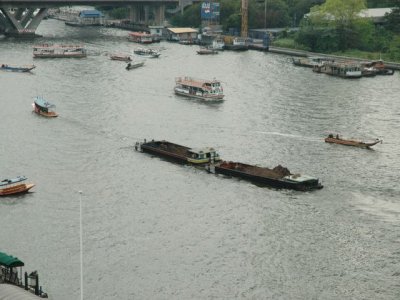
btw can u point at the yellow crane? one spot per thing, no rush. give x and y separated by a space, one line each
245 18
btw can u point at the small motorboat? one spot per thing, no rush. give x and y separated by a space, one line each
134 65
121 57
21 69
205 51
44 108
14 186
145 52
356 143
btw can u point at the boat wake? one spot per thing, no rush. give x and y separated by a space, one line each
294 136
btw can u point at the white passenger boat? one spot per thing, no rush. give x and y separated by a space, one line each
210 90
58 51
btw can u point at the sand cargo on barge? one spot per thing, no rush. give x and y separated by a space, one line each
278 177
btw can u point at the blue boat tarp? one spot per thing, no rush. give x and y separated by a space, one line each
39 101
10 261
91 13
11 181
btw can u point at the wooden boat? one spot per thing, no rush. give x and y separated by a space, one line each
278 177
140 37
179 153
149 53
338 140
14 186
120 57
21 69
58 51
209 90
205 51
44 108
340 69
134 65
378 66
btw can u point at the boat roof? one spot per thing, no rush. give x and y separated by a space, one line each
194 81
202 150
182 30
137 33
299 178
14 180
10 261
46 46
43 103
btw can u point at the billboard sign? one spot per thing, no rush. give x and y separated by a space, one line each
210 10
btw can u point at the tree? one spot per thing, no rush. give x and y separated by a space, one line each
343 16
393 19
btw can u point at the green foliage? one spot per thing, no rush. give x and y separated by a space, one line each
119 13
190 17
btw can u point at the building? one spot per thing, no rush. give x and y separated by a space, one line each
181 34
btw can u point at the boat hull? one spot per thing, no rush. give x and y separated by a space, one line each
134 66
271 181
17 69
16 189
194 96
75 55
351 143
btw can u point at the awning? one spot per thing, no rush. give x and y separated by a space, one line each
10 261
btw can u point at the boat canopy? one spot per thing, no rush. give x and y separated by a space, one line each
14 180
10 261
39 101
202 150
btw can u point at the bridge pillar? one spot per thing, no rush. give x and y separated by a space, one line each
146 14
159 14
133 14
22 22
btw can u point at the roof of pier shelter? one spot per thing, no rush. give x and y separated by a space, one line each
182 30
10 261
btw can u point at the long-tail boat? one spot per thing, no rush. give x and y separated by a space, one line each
14 186
179 153
21 69
338 140
44 108
278 177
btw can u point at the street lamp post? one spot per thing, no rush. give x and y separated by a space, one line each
81 240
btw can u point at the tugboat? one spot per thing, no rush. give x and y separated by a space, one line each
179 153
209 90
278 177
44 108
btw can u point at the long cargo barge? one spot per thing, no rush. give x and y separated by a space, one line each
179 153
278 177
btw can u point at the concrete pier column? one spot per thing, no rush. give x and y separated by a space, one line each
159 14
27 17
146 14
33 25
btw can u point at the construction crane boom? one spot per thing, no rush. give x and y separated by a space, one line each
245 18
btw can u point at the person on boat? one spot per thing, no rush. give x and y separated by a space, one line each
337 136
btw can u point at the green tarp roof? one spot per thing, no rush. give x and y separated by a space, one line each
10 261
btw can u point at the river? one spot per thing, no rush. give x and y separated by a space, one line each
156 230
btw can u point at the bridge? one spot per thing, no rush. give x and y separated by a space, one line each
22 17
